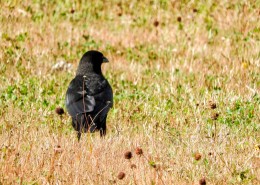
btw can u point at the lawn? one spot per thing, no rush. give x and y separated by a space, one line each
186 83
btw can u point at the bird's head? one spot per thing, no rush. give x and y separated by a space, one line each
91 62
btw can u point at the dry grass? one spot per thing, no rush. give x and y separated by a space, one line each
166 79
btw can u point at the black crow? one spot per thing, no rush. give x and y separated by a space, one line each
89 96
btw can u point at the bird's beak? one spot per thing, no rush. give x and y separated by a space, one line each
105 60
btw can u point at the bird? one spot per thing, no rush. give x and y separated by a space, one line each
89 96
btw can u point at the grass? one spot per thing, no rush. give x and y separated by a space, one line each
171 61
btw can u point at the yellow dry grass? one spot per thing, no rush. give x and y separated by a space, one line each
164 79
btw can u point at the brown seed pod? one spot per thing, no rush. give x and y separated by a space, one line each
197 156
59 110
202 181
179 19
133 166
156 23
215 116
212 105
128 155
121 175
139 151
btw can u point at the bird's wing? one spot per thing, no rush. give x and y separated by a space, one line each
77 99
104 101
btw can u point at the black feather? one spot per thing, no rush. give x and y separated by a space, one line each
89 96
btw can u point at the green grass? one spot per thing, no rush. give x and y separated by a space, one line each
164 79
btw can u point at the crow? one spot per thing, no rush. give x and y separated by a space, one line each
89 96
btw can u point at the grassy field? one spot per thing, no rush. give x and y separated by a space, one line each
186 82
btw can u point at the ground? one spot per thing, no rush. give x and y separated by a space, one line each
185 76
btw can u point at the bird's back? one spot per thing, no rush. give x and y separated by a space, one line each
88 94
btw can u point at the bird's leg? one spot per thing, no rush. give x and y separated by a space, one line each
103 130
80 127
102 133
78 135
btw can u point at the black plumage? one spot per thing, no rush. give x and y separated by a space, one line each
89 96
